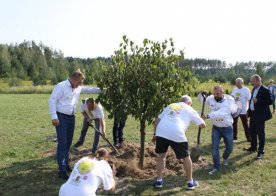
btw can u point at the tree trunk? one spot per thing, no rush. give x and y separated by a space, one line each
142 142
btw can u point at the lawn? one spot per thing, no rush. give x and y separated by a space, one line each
28 165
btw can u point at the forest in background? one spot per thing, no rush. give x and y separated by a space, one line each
43 65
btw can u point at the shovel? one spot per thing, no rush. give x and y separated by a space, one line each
196 151
112 146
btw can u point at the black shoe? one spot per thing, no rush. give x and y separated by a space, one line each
63 175
260 155
68 169
250 149
235 138
78 144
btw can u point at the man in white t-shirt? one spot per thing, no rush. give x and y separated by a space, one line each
222 107
88 174
91 111
243 95
169 130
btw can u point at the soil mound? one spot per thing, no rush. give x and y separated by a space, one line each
126 163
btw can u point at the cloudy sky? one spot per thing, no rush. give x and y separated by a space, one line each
230 30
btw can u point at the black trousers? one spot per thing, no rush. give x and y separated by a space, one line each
118 127
257 130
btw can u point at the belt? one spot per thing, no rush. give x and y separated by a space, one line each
65 114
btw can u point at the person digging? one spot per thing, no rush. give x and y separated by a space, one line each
169 130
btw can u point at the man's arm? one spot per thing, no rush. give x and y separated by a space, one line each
156 122
103 126
90 90
56 94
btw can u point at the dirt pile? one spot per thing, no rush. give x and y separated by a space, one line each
126 163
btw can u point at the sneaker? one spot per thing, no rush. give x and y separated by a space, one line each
225 162
260 156
78 144
192 186
213 171
158 184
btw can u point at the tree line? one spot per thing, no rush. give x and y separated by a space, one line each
42 64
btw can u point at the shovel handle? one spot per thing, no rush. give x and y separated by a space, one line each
111 145
202 113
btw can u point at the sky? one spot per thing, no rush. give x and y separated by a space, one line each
229 30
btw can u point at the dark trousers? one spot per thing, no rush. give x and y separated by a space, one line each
118 126
245 127
273 103
96 135
257 130
65 132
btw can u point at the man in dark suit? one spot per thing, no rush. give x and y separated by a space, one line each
259 112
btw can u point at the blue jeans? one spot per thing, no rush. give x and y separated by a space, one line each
96 136
65 132
227 134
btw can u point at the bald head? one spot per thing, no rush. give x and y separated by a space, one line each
186 99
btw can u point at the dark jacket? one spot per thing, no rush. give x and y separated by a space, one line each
261 108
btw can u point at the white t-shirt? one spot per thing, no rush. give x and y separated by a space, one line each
88 174
221 112
94 114
175 119
243 95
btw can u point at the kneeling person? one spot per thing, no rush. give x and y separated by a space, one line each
88 174
170 128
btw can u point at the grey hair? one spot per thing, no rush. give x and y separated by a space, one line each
257 77
239 80
186 99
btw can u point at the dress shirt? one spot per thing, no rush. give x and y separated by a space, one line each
64 98
254 95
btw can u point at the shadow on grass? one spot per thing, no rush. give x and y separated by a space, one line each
33 177
172 185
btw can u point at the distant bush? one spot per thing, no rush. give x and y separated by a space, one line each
45 89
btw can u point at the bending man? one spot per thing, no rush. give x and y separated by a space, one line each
169 130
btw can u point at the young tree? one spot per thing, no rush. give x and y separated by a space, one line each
142 80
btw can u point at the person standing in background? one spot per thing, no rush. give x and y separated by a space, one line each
62 108
242 94
272 89
259 112
118 127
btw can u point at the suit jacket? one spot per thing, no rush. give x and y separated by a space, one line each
261 108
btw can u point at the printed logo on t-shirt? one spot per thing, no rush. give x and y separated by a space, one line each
85 166
75 181
175 108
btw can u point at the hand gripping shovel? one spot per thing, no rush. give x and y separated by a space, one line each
196 152
112 146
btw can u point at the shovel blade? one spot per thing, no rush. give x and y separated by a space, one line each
196 152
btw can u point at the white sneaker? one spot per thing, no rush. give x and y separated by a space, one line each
213 172
225 162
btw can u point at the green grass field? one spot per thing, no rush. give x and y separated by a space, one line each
28 165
